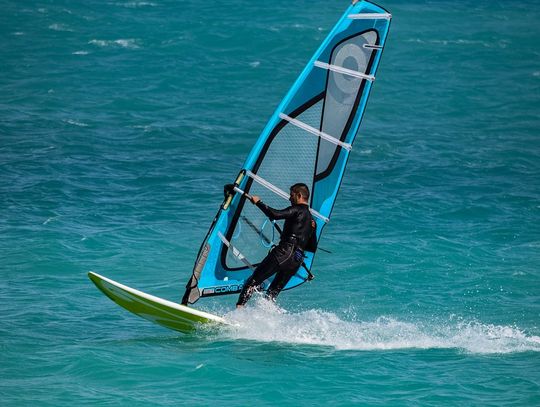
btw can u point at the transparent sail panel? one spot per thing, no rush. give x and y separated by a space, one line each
289 159
342 91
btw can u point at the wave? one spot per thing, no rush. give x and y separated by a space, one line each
136 4
268 323
75 123
60 27
486 44
124 43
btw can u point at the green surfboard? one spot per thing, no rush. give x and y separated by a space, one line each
158 310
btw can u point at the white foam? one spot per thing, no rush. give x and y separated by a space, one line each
136 4
124 43
501 44
264 321
75 123
60 27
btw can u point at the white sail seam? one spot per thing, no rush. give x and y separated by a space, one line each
345 71
280 192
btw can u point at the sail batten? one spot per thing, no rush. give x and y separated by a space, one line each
235 251
369 46
343 70
267 185
316 132
307 140
281 193
370 16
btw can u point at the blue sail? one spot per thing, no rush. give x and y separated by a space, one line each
308 139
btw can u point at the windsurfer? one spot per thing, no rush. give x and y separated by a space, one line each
284 259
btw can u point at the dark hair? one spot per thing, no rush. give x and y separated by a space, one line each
301 189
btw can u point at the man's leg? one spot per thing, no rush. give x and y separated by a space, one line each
267 267
280 281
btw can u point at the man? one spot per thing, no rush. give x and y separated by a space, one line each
285 258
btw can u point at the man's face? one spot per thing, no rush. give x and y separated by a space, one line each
292 198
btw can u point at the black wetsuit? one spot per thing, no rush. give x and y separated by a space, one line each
285 258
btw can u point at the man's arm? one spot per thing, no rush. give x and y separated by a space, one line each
273 214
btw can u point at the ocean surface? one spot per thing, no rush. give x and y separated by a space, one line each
120 121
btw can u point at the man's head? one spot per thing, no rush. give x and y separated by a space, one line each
299 193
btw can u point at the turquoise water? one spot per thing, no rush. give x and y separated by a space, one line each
121 121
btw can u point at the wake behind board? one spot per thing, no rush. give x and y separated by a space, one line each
158 310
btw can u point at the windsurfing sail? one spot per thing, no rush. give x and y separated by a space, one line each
308 139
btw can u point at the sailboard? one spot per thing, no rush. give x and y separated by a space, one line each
308 139
162 312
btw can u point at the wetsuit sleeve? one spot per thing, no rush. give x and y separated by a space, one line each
276 214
